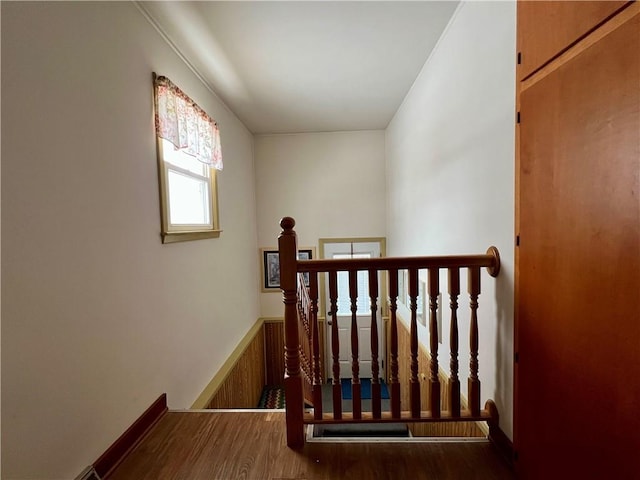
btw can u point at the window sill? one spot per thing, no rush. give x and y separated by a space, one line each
172 237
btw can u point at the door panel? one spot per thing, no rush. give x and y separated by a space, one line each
578 283
344 335
364 347
363 317
563 23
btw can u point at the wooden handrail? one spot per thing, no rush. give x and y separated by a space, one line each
302 337
490 260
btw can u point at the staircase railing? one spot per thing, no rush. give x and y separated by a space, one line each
303 378
307 336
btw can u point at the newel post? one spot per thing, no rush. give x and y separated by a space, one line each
287 245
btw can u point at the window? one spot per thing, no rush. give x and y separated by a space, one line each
189 155
363 302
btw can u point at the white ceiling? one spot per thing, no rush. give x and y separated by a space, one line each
304 66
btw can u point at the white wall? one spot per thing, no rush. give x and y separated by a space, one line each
333 184
450 176
100 318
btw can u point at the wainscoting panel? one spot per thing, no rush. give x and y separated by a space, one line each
444 429
274 351
243 385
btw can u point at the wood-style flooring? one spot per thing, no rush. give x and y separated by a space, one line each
251 445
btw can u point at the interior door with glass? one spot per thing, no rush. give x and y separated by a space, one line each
363 313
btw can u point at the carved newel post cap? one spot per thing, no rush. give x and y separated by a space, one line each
287 223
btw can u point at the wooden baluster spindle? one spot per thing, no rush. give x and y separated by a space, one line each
293 381
434 380
356 400
376 401
304 338
454 381
414 383
335 345
393 344
474 382
317 376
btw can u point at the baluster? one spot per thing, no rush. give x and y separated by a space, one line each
335 345
304 334
376 401
317 377
414 384
304 340
454 382
393 347
434 380
356 400
292 381
474 382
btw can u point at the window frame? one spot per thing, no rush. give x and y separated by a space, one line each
183 233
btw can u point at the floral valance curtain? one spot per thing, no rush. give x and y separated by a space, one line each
183 123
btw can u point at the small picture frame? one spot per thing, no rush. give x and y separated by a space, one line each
270 262
270 270
305 254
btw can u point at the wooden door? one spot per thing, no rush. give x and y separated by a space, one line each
577 411
545 29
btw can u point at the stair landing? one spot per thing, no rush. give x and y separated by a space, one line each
211 445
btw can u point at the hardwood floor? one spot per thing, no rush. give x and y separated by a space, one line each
249 445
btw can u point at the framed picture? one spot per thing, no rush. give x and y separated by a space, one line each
305 255
270 261
270 269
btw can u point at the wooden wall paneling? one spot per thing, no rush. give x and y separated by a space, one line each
404 352
244 383
443 429
578 273
545 29
274 350
323 331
